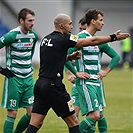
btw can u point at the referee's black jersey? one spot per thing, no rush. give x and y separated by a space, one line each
53 52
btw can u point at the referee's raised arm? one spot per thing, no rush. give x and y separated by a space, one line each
97 40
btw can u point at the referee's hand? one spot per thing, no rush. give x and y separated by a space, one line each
121 36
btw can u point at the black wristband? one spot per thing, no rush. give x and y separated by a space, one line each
69 57
113 37
1 68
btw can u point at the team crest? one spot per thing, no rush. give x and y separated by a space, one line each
31 40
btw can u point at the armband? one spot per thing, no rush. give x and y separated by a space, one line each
69 57
113 37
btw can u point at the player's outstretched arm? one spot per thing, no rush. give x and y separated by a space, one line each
97 40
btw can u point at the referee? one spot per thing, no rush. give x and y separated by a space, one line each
49 90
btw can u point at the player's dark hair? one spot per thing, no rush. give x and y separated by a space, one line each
82 21
92 14
23 13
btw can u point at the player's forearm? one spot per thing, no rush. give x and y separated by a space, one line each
68 73
107 70
114 62
69 66
104 73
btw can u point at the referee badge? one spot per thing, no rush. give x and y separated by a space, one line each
70 105
74 38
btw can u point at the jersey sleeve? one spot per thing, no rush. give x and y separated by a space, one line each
65 68
7 39
71 40
69 66
34 43
115 58
71 50
36 37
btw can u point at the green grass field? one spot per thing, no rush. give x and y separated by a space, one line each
119 110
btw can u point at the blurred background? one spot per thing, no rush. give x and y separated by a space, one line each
118 14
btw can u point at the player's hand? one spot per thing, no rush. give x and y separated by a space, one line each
71 78
76 55
121 36
102 74
82 75
6 72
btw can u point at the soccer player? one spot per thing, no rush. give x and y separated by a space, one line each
82 24
49 90
19 84
89 95
71 77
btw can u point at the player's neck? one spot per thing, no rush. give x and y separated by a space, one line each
91 30
23 29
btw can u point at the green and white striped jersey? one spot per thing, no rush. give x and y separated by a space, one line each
19 51
90 61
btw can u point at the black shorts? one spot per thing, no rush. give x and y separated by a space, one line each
48 95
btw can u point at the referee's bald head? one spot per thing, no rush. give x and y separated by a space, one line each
60 18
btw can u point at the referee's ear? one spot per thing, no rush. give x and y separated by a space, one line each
61 25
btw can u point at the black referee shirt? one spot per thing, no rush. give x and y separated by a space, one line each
53 52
